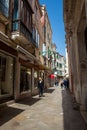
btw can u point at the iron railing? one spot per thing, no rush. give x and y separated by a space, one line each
18 25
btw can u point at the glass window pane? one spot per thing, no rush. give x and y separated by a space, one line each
6 75
4 7
25 79
15 26
15 16
35 79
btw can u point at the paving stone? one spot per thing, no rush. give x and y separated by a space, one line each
52 112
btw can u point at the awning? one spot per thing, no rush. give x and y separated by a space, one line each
25 52
42 67
8 49
34 65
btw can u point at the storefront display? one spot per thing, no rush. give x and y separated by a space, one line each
35 78
6 75
25 79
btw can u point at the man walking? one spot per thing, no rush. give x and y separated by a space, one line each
40 86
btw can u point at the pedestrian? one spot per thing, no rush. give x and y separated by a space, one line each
55 83
40 86
65 82
61 83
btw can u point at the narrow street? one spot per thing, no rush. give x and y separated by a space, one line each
54 111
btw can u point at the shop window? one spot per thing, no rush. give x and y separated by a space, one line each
35 79
6 75
86 39
25 79
3 68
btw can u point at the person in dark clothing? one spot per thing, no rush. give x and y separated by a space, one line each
65 83
40 86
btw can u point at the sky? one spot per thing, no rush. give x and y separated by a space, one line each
55 13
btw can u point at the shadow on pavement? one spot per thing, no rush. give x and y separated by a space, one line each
7 113
49 90
72 118
29 101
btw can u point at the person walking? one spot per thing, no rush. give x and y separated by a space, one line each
65 83
61 83
40 86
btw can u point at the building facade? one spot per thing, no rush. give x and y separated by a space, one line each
53 53
67 64
8 53
47 45
47 36
21 40
60 65
76 39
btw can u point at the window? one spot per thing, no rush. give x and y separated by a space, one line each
38 40
6 75
27 19
49 52
36 36
86 39
15 15
15 26
22 10
25 79
61 73
45 32
60 65
57 64
30 20
26 14
4 7
57 56
35 78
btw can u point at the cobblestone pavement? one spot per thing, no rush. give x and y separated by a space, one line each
54 111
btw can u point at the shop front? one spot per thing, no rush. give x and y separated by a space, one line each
35 78
6 76
7 71
25 79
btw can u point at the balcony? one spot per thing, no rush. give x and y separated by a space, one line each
21 33
4 13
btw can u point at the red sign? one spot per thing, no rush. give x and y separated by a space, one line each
52 76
